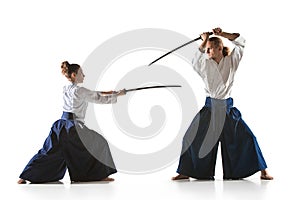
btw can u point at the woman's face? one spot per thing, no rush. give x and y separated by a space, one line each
79 76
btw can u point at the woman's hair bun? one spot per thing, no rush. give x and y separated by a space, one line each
65 67
68 69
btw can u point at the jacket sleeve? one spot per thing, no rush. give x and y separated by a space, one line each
237 52
96 96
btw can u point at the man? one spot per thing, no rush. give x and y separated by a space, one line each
218 121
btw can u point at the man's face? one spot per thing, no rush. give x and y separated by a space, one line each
212 51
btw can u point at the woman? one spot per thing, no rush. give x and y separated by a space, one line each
65 147
218 121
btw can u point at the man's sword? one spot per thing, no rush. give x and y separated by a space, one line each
198 38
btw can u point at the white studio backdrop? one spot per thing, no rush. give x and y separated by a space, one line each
36 36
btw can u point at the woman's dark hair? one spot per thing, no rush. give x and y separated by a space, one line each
217 43
67 69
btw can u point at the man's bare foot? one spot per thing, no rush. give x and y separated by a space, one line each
265 176
108 179
180 177
21 181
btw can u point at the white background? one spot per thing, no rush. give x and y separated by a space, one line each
36 36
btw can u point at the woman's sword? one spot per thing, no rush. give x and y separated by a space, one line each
139 88
151 87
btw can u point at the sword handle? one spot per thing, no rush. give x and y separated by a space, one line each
209 33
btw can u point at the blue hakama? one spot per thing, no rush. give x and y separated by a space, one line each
65 148
241 155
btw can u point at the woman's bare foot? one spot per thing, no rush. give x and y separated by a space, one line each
21 181
265 176
108 179
180 177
